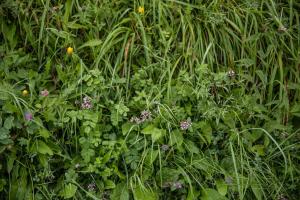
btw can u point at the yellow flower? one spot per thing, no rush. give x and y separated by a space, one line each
70 50
141 10
25 93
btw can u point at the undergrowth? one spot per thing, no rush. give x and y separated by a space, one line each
145 100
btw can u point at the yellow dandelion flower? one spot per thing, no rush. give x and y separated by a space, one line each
141 10
25 93
70 50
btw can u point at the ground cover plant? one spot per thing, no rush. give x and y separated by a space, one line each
146 100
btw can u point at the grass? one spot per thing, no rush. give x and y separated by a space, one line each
112 126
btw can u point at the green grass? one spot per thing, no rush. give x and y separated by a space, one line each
174 60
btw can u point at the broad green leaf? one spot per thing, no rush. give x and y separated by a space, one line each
91 43
190 146
44 133
109 184
42 148
211 194
151 156
120 192
154 132
221 187
176 138
8 123
68 191
143 194
259 149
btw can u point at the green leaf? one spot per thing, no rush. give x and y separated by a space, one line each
154 132
259 149
151 156
44 133
68 191
8 123
256 190
190 146
91 43
211 194
176 138
143 194
109 184
207 132
42 148
120 192
221 187
295 110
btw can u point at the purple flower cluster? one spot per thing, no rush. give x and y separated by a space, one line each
145 116
231 73
186 124
176 185
91 186
28 116
86 104
44 93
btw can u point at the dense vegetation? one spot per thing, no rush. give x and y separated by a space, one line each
145 100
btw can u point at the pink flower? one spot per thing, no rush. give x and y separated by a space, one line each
184 125
28 116
45 93
86 104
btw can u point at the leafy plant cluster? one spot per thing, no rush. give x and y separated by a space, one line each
149 100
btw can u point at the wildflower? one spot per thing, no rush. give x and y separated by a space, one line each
28 116
87 104
45 93
70 50
77 165
184 125
25 93
91 187
135 120
177 185
282 29
164 147
141 10
231 73
145 115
